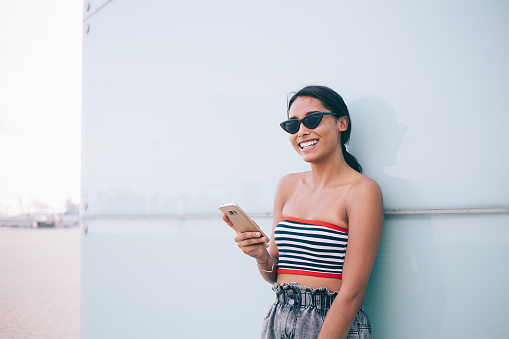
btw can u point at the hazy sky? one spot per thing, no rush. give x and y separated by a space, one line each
40 102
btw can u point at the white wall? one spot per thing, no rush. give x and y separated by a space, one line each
181 107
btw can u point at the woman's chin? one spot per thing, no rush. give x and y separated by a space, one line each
308 157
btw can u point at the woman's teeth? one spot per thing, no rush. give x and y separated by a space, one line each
308 144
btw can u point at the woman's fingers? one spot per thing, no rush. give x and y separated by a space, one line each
252 241
247 235
253 246
227 220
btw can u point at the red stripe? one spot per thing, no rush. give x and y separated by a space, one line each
318 223
314 274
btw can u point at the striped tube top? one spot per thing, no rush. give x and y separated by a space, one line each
309 247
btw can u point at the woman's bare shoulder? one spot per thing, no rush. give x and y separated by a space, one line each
364 186
292 179
287 184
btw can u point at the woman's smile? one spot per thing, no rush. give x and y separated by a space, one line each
308 145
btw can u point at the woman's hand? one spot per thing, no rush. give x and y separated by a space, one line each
251 243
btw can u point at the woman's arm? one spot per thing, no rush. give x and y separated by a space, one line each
253 245
282 191
365 222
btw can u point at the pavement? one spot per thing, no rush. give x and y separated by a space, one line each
39 283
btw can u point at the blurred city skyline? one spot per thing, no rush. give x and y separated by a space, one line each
40 105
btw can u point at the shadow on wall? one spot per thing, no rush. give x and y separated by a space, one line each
406 292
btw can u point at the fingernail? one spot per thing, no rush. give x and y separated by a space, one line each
258 234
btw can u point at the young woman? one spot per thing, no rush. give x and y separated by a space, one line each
327 228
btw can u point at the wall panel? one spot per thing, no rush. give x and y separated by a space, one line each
181 107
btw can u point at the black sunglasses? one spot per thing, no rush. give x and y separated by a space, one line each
310 121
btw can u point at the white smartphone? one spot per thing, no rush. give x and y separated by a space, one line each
240 220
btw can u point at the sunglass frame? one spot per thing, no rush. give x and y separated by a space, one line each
303 121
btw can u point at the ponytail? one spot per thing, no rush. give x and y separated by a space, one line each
351 160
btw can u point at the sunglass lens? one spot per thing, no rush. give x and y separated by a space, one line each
291 126
312 120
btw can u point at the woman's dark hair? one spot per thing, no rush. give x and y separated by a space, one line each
334 103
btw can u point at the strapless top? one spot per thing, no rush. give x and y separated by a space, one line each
310 247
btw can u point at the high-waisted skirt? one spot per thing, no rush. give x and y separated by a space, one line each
299 312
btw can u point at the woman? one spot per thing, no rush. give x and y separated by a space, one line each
320 280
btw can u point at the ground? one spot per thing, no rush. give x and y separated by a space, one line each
39 283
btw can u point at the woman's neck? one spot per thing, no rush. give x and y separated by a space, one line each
329 172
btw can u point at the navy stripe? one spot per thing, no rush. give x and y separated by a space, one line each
311 268
305 246
312 243
318 236
313 265
315 228
337 262
289 250
306 223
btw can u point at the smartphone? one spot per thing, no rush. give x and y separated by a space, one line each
240 219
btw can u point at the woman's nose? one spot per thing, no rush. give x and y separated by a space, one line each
303 130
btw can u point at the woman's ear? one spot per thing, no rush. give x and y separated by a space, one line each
342 124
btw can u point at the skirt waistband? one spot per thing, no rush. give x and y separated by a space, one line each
298 295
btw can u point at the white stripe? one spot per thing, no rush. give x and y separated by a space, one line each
314 227
332 255
338 259
281 231
311 237
322 247
296 261
322 232
310 268
311 241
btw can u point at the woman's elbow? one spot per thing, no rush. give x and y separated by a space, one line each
354 297
358 301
